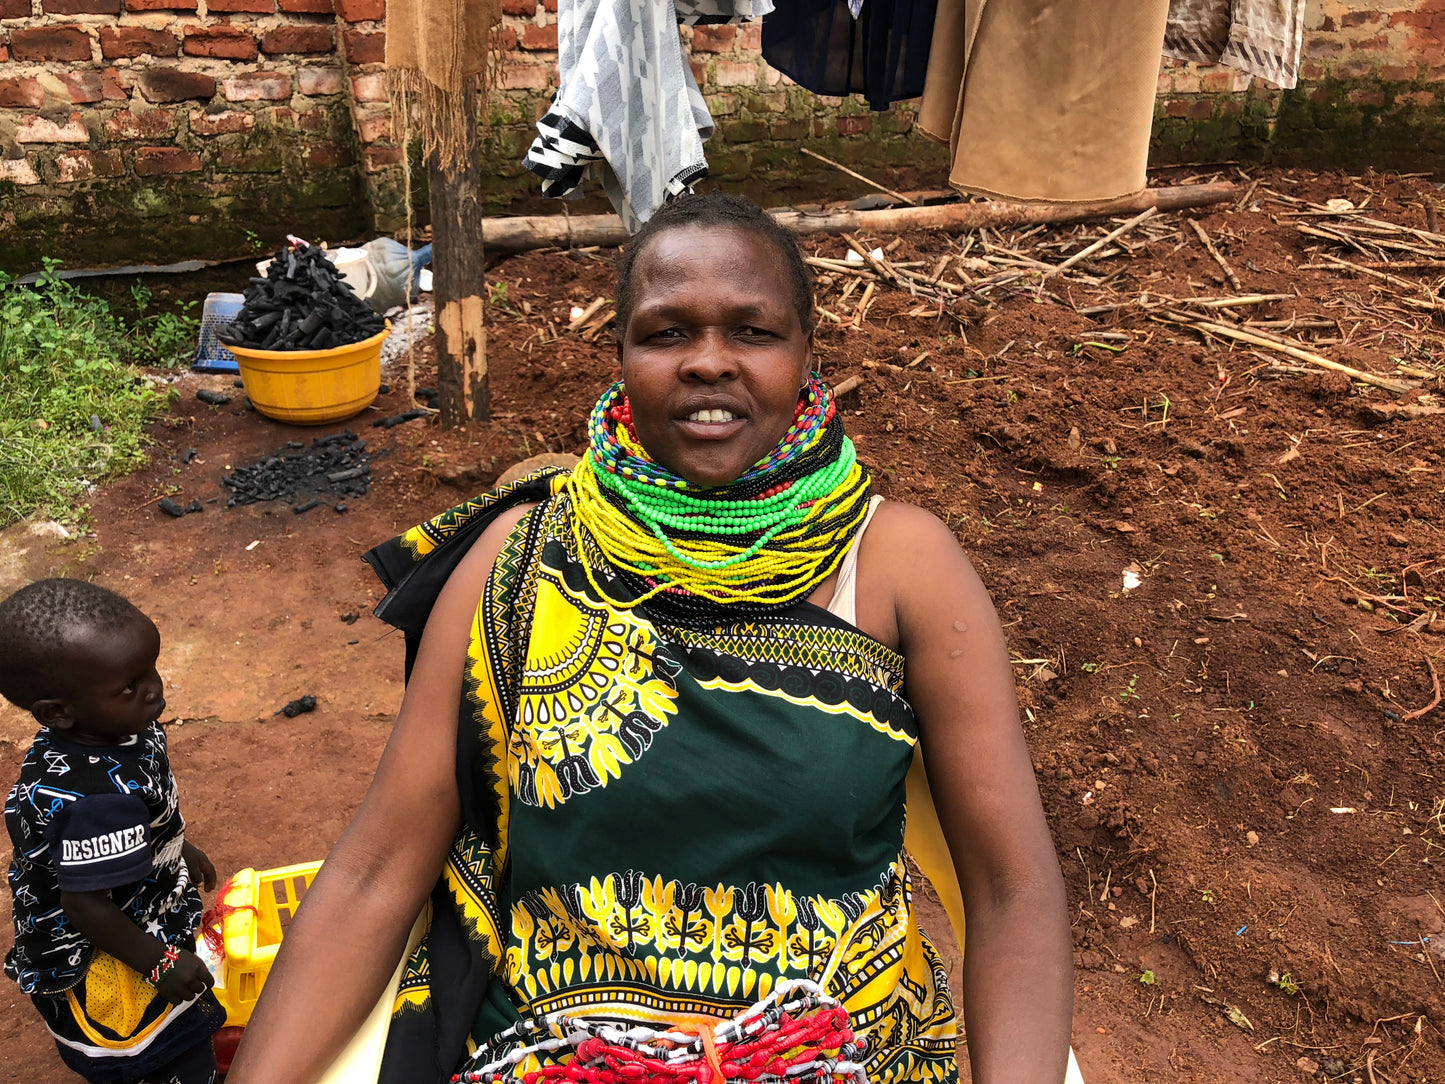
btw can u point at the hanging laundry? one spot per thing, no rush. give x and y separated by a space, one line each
628 110
1044 99
1262 37
828 47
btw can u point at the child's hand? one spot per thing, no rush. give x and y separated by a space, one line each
199 866
188 979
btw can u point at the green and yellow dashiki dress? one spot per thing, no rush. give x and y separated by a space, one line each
659 823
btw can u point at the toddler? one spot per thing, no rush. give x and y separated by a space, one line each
104 882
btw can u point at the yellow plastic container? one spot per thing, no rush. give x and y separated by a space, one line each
313 387
253 936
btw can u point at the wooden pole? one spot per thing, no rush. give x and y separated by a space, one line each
460 289
547 231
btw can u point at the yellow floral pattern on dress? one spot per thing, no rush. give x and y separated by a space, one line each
596 687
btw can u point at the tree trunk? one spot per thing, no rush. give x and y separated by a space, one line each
460 290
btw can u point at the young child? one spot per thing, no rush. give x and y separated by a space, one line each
105 901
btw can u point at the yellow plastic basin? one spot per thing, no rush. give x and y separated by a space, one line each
313 387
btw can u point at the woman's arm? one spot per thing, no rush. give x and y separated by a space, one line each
1018 959
352 926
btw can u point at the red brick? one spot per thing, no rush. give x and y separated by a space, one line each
365 47
297 38
44 130
14 9
861 124
1359 18
174 85
1201 109
18 171
378 158
222 122
317 82
146 124
151 161
314 120
361 11
4 52
21 94
83 87
540 37
1367 97
752 37
526 76
225 42
125 41
372 129
81 7
713 39
1397 73
699 71
161 5
522 8
50 43
1378 44
83 165
507 38
369 88
1179 107
550 5
1421 98
733 73
307 7
255 7
331 155
258 87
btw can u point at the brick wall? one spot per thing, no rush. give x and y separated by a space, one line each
149 130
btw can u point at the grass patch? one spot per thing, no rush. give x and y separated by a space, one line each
73 399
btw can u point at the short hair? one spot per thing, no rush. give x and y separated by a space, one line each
38 622
708 210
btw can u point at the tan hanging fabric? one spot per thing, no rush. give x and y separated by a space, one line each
439 55
1044 99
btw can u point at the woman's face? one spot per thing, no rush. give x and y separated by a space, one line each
714 356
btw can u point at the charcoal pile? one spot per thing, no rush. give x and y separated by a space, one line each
337 466
303 303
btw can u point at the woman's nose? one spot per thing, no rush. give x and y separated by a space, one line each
711 358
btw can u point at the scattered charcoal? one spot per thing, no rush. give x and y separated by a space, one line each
195 506
238 383
171 508
301 304
299 706
385 389
342 508
397 419
351 618
334 467
212 398
188 455
350 642
247 404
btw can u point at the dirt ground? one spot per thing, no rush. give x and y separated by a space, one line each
1219 578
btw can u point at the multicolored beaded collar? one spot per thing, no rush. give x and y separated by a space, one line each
759 544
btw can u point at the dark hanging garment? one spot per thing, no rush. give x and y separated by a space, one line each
882 54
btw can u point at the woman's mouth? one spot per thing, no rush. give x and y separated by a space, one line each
711 417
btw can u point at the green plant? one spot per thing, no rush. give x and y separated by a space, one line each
1286 984
1130 691
162 338
1207 895
498 299
1089 667
73 406
1147 978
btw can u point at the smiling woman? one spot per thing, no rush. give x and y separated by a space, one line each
700 678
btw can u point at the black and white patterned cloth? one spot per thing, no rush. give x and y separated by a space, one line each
1261 37
88 818
628 110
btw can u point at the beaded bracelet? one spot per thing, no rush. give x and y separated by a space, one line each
164 966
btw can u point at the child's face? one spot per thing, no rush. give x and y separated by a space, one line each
116 691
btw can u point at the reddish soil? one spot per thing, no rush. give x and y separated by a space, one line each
1248 804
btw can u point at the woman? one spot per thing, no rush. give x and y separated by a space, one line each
677 775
